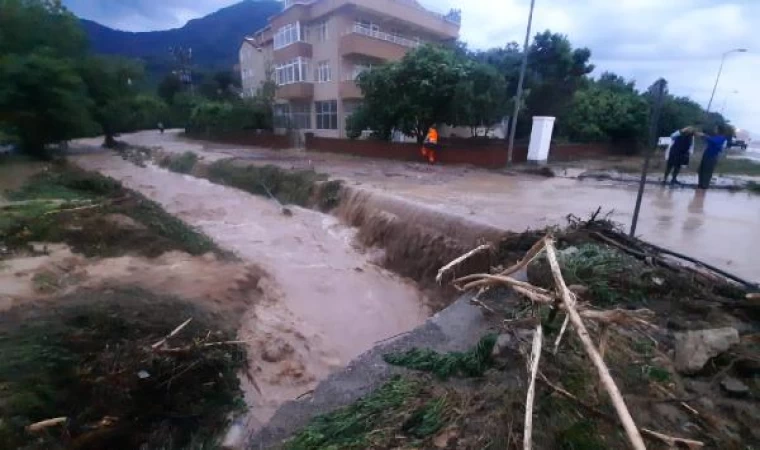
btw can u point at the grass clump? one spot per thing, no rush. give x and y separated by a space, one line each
350 427
289 187
183 163
89 358
753 187
472 363
75 207
738 166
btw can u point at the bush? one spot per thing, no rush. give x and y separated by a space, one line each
183 163
214 117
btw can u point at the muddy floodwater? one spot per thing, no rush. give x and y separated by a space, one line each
716 226
326 302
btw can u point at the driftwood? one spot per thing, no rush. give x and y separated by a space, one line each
532 254
453 264
39 426
674 442
172 334
634 436
535 358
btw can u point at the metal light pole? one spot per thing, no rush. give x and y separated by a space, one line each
720 70
652 143
518 97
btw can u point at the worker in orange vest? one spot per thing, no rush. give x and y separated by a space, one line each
430 145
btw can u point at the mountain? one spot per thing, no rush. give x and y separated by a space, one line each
215 38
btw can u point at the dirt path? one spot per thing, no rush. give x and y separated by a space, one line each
718 227
327 303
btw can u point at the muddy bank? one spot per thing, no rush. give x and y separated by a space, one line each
92 276
329 302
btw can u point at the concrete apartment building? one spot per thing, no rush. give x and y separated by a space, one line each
315 49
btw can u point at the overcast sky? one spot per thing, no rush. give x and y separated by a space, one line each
680 40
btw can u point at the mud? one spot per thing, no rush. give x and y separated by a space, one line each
717 226
327 303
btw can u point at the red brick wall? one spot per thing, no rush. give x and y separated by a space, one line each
482 153
244 137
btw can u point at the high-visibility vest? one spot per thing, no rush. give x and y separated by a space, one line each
432 136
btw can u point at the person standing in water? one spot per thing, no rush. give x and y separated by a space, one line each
715 145
681 148
430 145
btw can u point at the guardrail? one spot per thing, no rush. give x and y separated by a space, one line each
383 36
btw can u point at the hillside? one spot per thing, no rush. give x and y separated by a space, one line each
215 39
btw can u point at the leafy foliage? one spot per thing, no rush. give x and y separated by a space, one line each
348 427
472 363
210 117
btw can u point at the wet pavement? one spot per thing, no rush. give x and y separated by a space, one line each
719 227
327 302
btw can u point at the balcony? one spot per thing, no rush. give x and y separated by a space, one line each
349 90
296 91
292 51
363 41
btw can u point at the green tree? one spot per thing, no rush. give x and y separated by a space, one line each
109 83
480 99
42 97
609 109
556 71
422 86
42 100
169 87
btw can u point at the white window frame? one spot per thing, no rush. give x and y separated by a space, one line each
359 69
293 71
326 114
319 31
323 72
287 35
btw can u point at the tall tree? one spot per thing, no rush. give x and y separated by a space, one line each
109 83
480 99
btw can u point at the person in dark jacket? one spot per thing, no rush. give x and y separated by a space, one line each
678 155
715 145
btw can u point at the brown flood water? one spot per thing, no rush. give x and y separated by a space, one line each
326 301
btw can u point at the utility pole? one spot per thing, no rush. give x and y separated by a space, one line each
518 97
652 144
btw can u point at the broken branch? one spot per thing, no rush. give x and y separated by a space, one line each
604 374
535 357
172 334
532 254
450 266
39 426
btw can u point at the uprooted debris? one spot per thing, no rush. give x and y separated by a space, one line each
103 369
596 325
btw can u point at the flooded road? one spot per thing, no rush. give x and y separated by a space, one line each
326 302
719 227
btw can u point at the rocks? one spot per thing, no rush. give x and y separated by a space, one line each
694 349
734 387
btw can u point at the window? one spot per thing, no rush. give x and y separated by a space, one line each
319 31
287 35
323 74
327 115
301 116
294 71
359 69
281 117
368 25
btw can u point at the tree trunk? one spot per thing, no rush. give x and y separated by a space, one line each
109 141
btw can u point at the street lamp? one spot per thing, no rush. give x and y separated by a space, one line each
518 97
720 70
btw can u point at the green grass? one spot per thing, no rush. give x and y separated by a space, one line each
289 187
41 214
350 427
610 275
80 358
183 163
753 187
738 166
472 363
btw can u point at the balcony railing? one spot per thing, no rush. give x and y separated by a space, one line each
383 36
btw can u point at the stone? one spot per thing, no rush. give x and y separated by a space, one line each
734 387
694 349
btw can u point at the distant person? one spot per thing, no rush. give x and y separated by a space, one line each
161 127
430 145
681 147
716 142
